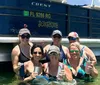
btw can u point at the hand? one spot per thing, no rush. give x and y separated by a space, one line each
88 67
92 64
33 75
74 71
62 76
16 69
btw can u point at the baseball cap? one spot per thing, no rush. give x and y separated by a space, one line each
23 31
54 48
73 34
56 32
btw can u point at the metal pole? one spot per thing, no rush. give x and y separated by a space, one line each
92 3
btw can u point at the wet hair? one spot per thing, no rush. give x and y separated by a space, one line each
35 46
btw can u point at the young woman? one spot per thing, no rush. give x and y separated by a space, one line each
78 63
21 52
57 37
74 37
55 69
34 67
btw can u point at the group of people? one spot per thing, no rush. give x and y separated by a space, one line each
54 62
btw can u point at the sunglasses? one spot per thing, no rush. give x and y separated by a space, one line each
71 38
72 51
25 36
53 54
37 52
56 36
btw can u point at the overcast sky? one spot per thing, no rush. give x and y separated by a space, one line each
82 2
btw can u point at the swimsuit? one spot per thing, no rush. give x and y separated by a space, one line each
81 72
22 59
46 67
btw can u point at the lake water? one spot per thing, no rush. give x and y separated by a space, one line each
7 77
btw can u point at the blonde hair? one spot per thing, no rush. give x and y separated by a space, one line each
76 44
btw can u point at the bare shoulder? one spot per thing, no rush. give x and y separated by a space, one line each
46 47
28 63
66 50
31 44
15 50
87 49
64 47
89 52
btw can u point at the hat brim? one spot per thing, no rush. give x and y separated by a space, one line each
53 51
57 34
25 33
44 60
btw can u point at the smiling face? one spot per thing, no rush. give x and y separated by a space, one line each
37 54
74 52
56 39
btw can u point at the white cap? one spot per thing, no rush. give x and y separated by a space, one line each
57 32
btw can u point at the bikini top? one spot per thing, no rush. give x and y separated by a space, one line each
22 57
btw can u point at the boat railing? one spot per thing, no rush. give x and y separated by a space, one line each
89 42
7 44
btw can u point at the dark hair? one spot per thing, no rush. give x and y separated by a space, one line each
35 46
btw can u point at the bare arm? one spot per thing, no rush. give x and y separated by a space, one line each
90 55
32 76
29 67
94 72
15 59
46 48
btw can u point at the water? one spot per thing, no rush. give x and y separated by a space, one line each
8 78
